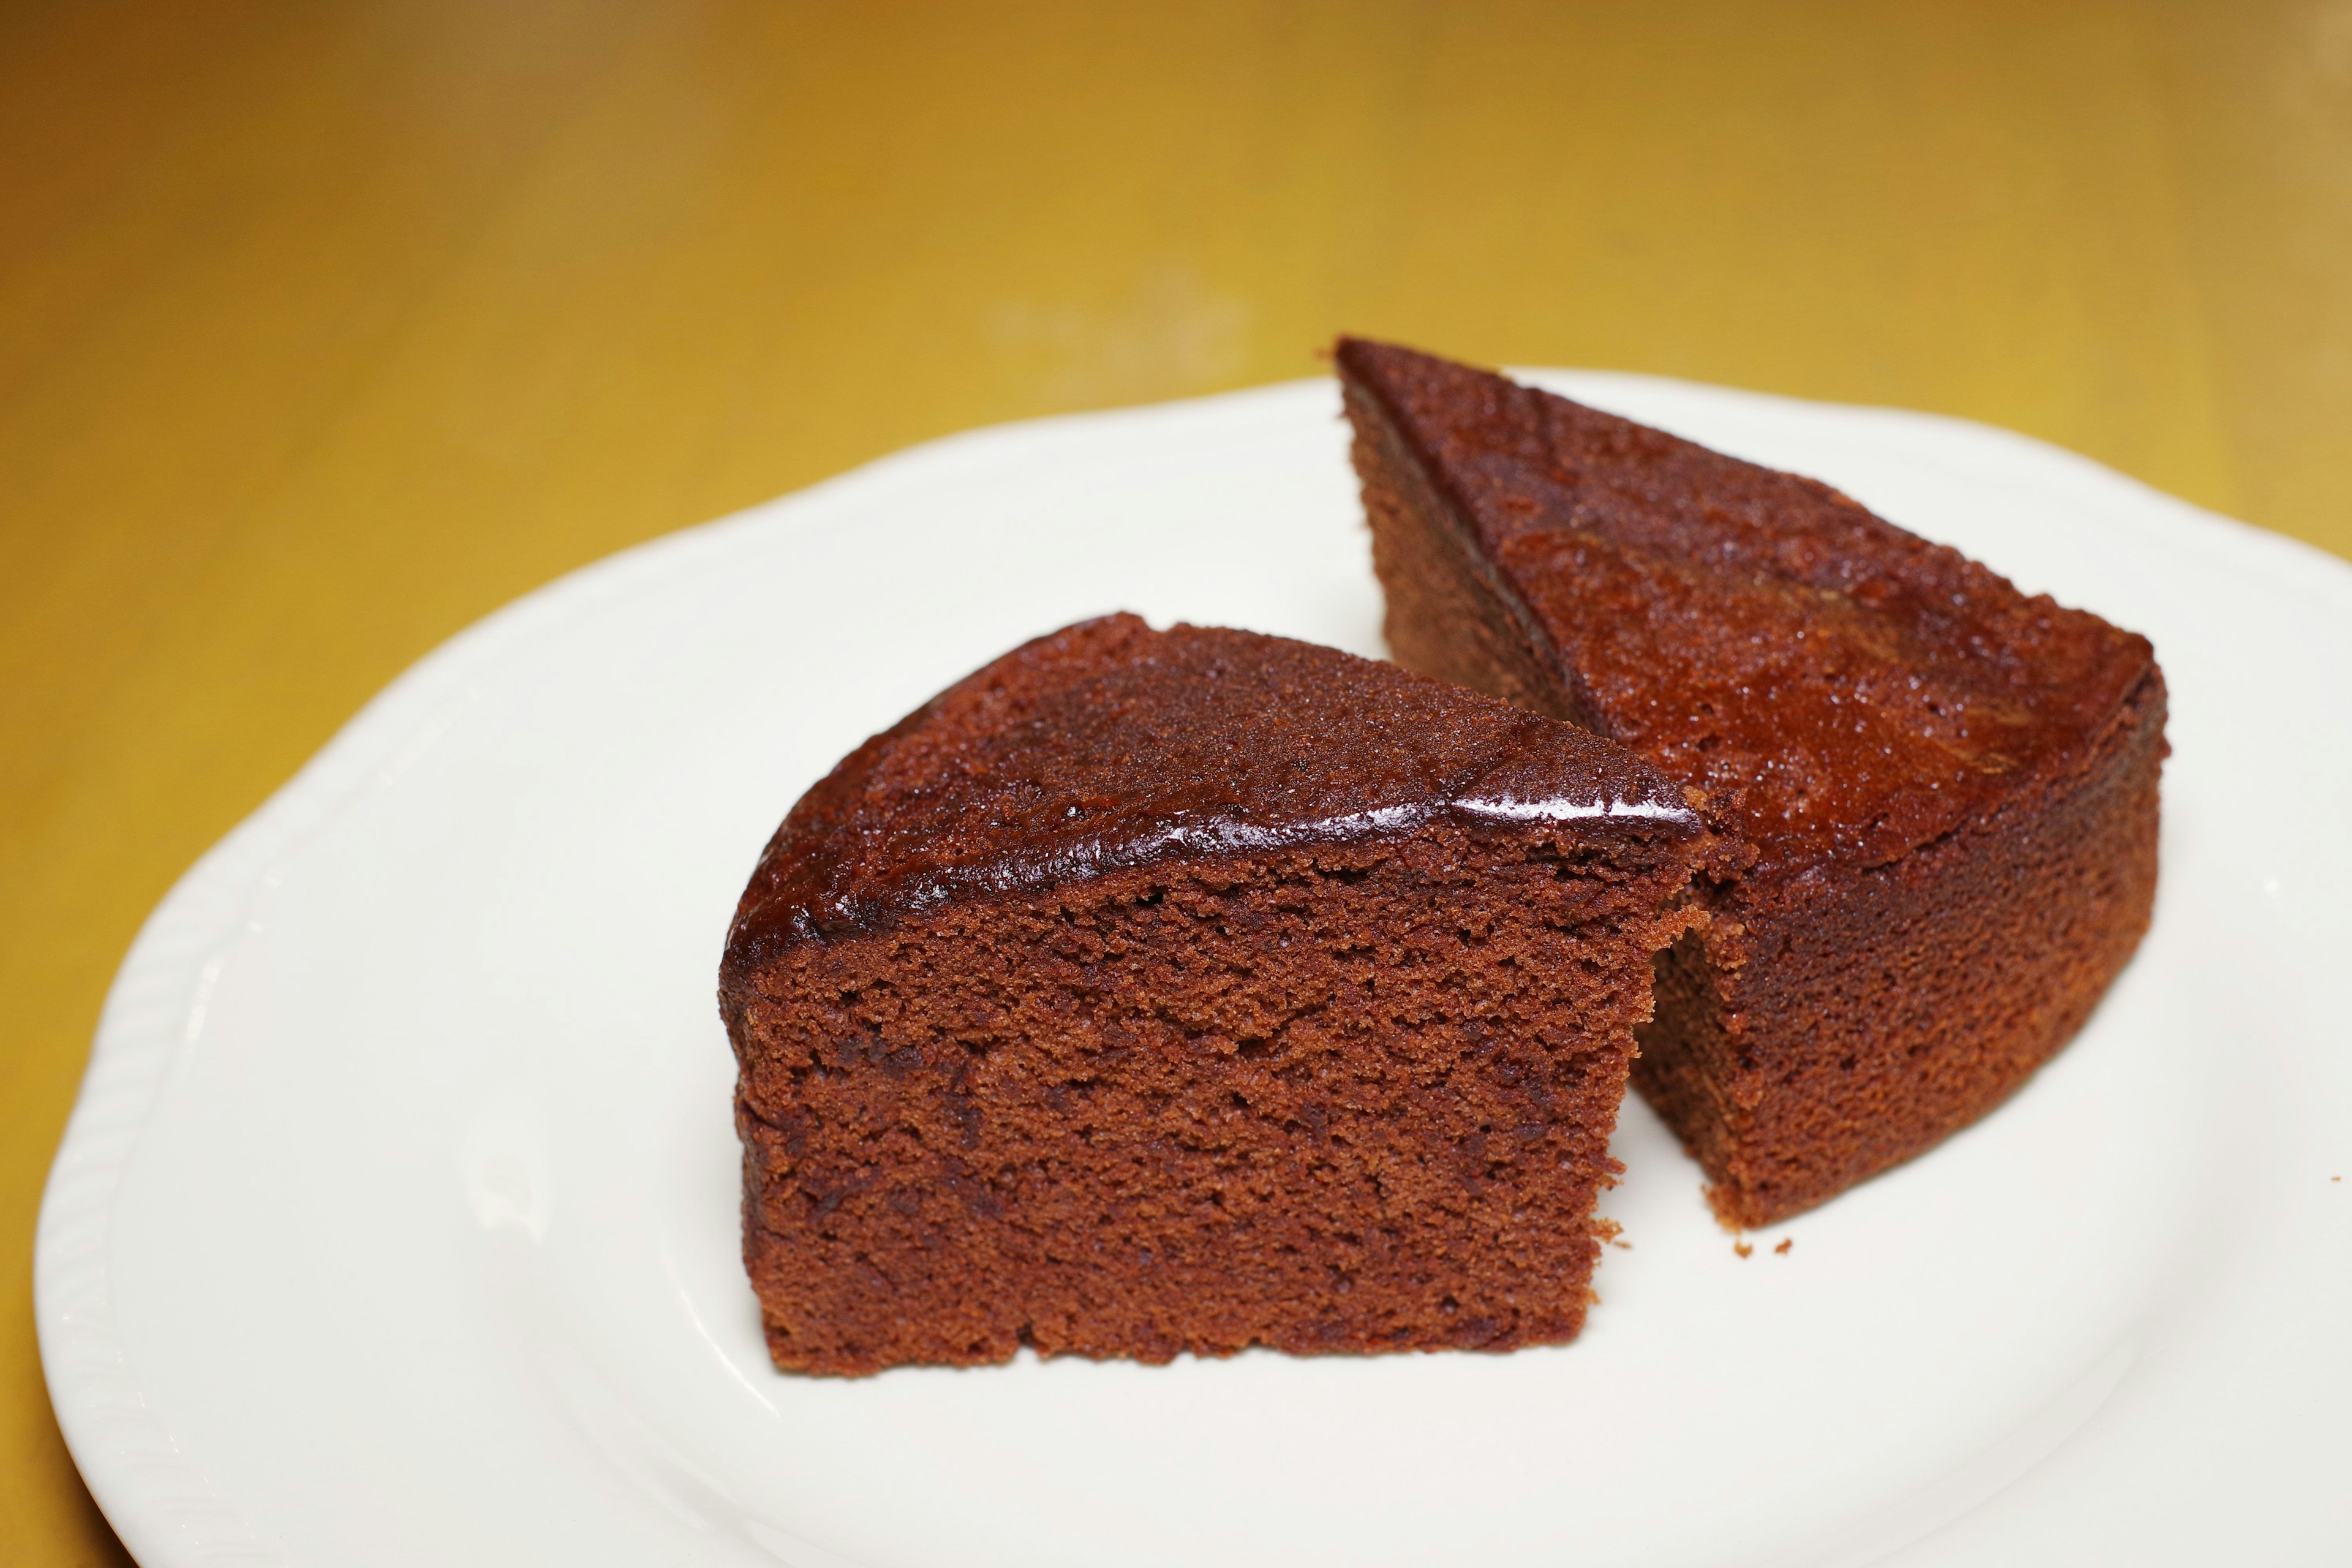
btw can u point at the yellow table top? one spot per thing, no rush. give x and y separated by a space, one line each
324 330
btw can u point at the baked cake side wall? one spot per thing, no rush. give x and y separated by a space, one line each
1876 1013
1194 1108
1816 1038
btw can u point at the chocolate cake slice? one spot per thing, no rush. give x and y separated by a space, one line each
1935 797
1150 991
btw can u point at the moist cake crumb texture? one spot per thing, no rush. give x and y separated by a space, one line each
1153 992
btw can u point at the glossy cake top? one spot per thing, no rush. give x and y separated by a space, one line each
1108 745
1837 688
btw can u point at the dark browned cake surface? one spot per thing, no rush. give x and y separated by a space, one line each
1149 992
1936 795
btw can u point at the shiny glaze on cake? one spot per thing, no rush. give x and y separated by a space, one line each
1842 690
1109 746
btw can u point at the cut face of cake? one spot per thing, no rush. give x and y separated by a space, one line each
1151 992
1935 797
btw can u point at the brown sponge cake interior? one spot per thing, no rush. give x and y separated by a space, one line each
1151 992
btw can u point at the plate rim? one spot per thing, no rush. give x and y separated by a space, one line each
157 1497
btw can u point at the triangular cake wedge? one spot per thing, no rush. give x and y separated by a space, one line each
1936 795
1153 992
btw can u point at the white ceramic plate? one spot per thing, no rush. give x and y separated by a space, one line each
396 1223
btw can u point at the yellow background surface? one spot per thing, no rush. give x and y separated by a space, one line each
326 330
